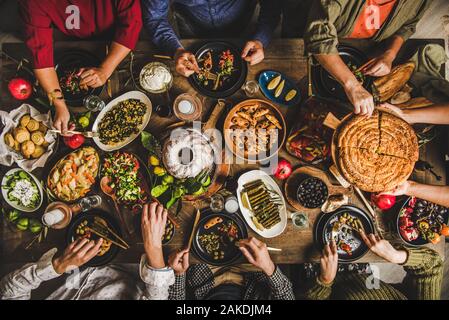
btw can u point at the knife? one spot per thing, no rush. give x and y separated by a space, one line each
197 218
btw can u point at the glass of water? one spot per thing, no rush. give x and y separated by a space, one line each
251 88
93 103
300 220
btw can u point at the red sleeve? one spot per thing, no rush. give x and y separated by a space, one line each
129 23
38 33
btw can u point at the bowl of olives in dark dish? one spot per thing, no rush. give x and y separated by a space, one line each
421 222
312 192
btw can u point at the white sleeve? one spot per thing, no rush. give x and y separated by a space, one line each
157 281
18 284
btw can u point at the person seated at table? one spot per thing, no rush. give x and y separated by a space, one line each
223 18
392 21
120 21
108 282
259 281
424 269
438 115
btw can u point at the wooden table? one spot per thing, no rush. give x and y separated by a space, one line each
282 55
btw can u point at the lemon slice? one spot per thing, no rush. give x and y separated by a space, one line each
279 89
274 83
290 95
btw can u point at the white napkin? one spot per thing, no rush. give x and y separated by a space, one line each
10 121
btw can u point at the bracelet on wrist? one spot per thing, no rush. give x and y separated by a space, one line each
55 95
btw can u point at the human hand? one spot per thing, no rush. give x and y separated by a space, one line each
380 66
256 253
384 249
179 261
405 115
400 190
329 263
186 63
93 77
76 254
154 219
62 118
253 52
361 99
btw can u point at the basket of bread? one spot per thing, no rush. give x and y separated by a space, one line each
26 138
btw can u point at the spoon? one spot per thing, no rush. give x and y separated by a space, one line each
104 185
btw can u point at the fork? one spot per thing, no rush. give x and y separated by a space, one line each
87 134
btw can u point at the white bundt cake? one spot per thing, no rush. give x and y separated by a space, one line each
186 153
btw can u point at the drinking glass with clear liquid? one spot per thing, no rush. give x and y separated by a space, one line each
93 103
251 88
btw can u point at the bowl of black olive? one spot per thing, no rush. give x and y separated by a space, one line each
312 192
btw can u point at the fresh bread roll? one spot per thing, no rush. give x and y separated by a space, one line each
9 140
21 135
38 152
25 120
43 128
16 146
33 125
38 138
28 148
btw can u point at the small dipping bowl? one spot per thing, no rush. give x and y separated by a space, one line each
187 107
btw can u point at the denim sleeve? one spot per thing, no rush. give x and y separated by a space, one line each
155 20
269 17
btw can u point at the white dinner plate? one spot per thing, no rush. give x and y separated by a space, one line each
146 119
246 212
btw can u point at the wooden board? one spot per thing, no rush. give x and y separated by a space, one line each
291 186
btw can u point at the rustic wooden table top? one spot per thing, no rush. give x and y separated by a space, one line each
283 55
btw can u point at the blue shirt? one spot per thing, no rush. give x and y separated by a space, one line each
213 13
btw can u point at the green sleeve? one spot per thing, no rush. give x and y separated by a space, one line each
316 290
409 27
424 269
321 36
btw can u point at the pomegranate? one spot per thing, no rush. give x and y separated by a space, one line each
20 88
383 201
74 142
283 169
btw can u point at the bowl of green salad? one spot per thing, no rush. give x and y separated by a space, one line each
22 190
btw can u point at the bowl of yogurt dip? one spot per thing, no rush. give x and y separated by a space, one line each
156 77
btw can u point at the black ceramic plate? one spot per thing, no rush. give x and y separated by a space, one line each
323 232
231 83
327 86
419 242
75 60
89 217
230 250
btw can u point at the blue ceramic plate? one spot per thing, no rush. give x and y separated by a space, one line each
265 78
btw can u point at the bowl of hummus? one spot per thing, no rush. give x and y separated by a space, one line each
156 77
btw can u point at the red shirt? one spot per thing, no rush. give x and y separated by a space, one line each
364 27
119 19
